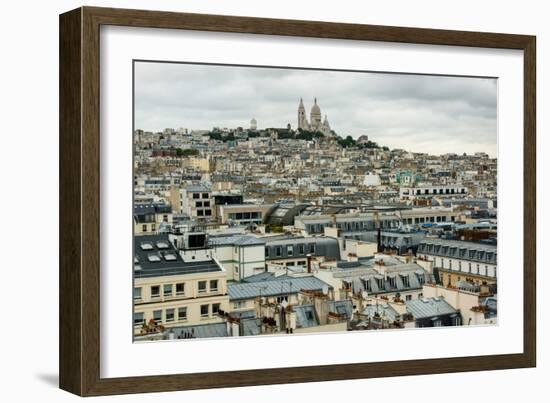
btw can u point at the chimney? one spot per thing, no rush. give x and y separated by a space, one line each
309 262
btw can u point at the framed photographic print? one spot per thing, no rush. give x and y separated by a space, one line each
322 196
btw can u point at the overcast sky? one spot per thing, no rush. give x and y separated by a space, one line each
431 114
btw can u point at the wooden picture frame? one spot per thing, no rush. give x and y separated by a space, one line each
79 281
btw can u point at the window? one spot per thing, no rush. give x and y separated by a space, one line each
165 218
289 250
282 298
198 204
207 204
144 228
157 316
312 248
170 315
180 288
138 318
155 291
238 305
202 286
200 213
204 310
368 285
213 285
196 196
182 313
421 278
215 308
153 227
408 297
208 212
406 282
450 264
167 290
301 249
137 292
267 251
278 251
205 195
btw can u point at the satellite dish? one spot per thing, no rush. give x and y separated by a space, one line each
325 289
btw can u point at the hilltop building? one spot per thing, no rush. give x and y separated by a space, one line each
315 123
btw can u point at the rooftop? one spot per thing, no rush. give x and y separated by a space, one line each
154 255
429 307
274 287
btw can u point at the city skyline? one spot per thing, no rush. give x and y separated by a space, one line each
430 114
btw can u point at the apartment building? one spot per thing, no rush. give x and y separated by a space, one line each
315 224
177 282
425 215
197 202
457 261
243 214
241 255
148 217
294 251
427 192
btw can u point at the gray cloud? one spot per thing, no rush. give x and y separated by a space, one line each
435 114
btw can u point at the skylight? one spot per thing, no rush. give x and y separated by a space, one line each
162 245
146 246
169 257
153 258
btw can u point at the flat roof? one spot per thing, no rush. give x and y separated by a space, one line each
155 255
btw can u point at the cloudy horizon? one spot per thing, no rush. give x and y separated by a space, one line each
418 113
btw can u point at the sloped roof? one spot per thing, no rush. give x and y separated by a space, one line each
429 307
239 291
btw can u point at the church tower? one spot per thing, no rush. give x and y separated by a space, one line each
302 121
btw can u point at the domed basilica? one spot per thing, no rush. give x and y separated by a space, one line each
315 123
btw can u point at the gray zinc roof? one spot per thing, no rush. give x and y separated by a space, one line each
236 240
201 331
239 291
429 307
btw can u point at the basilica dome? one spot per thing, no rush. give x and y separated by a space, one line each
315 110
